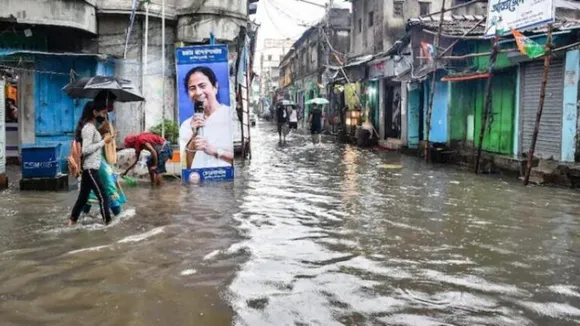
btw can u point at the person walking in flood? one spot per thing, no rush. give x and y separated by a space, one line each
109 178
282 121
293 118
92 144
159 148
315 121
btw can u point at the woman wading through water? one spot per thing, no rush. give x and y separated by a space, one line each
92 148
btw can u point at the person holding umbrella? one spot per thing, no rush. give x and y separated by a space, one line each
92 147
113 190
315 121
87 157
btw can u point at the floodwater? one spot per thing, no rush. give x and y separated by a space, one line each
306 235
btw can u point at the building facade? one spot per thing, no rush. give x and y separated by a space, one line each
307 70
270 55
379 52
50 43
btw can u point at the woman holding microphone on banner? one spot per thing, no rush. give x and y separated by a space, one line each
206 137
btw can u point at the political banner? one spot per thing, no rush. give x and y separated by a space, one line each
2 128
504 15
206 127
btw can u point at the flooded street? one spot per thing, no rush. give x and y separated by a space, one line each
307 235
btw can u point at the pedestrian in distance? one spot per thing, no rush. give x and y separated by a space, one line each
282 121
92 144
315 121
293 118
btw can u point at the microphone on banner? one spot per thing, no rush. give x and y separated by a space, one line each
198 110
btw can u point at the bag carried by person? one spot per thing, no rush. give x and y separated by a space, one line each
110 149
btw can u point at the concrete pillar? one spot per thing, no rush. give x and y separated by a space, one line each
404 91
570 112
3 178
382 109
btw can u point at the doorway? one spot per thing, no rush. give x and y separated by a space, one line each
415 123
11 118
392 109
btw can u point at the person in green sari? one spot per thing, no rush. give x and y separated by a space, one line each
112 187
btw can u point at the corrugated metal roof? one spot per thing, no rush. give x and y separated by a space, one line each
459 24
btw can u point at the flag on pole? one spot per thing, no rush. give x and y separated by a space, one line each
428 50
527 46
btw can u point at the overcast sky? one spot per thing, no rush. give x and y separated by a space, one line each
284 18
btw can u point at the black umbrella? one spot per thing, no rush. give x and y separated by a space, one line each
89 87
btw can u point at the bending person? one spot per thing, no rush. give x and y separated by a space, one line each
159 148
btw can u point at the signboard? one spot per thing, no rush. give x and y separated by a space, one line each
517 14
2 128
206 139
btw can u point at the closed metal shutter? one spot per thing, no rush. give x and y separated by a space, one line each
549 140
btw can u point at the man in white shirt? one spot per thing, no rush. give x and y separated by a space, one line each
206 140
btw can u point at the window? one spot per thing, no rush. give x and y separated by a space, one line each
397 8
424 8
371 18
359 25
269 57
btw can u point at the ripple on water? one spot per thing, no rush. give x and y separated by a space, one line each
306 235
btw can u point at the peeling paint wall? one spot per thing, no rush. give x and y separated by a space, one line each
364 37
197 18
138 117
76 14
125 6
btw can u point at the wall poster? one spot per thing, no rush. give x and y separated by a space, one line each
206 129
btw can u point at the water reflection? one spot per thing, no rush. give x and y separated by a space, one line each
307 235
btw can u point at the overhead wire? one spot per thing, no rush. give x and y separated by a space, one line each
58 73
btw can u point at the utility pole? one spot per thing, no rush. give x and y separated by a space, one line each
487 103
547 58
432 90
145 60
262 80
163 68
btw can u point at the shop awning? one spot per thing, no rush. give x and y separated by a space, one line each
8 52
360 61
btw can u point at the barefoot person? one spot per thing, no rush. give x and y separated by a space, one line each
315 121
293 118
109 179
91 153
159 148
282 120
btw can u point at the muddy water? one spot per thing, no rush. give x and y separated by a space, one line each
325 235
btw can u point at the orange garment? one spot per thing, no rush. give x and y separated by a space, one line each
11 93
74 159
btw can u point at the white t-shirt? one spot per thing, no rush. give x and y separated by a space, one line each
219 134
293 115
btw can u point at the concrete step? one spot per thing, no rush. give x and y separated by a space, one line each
60 183
391 143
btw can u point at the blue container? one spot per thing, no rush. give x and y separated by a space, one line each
41 160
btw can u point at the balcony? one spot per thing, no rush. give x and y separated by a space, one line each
79 14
